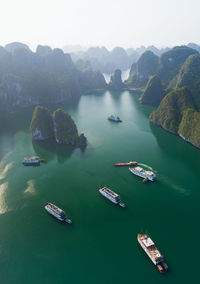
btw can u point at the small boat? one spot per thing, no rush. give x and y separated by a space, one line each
56 212
114 118
33 161
126 164
153 253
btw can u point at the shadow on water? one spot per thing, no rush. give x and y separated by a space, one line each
173 146
50 150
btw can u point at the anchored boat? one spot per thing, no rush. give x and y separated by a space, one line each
111 195
57 212
33 161
114 118
153 253
138 171
126 164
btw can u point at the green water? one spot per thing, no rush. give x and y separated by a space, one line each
100 246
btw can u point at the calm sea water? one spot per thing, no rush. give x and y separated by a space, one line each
101 245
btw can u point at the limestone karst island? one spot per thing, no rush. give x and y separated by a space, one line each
58 126
99 142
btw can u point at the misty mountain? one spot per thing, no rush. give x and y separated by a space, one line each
106 61
42 77
166 66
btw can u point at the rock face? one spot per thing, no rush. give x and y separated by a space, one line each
65 130
41 124
166 66
82 141
170 111
189 76
189 128
171 62
116 81
153 93
59 126
140 72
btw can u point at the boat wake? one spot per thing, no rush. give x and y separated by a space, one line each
176 187
147 167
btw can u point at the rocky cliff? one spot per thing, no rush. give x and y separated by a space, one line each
170 111
45 77
189 128
153 93
116 81
59 126
42 124
189 76
146 66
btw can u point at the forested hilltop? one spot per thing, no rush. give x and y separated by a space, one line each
42 77
171 82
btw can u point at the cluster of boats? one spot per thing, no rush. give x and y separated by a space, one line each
138 171
144 240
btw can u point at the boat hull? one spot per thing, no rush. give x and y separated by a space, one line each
61 217
125 164
158 261
142 175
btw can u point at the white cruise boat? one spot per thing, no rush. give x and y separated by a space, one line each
153 253
57 212
114 118
111 195
138 171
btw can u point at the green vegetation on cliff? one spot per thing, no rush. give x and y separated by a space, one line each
65 130
171 62
153 93
146 66
189 128
166 66
170 111
189 76
60 126
41 124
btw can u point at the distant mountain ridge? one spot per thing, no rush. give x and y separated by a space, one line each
42 77
106 61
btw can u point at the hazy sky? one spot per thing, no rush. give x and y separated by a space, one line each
127 23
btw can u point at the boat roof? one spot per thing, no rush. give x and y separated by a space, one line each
109 191
55 208
138 169
147 242
150 173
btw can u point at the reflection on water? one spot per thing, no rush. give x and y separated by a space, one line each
49 150
3 205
